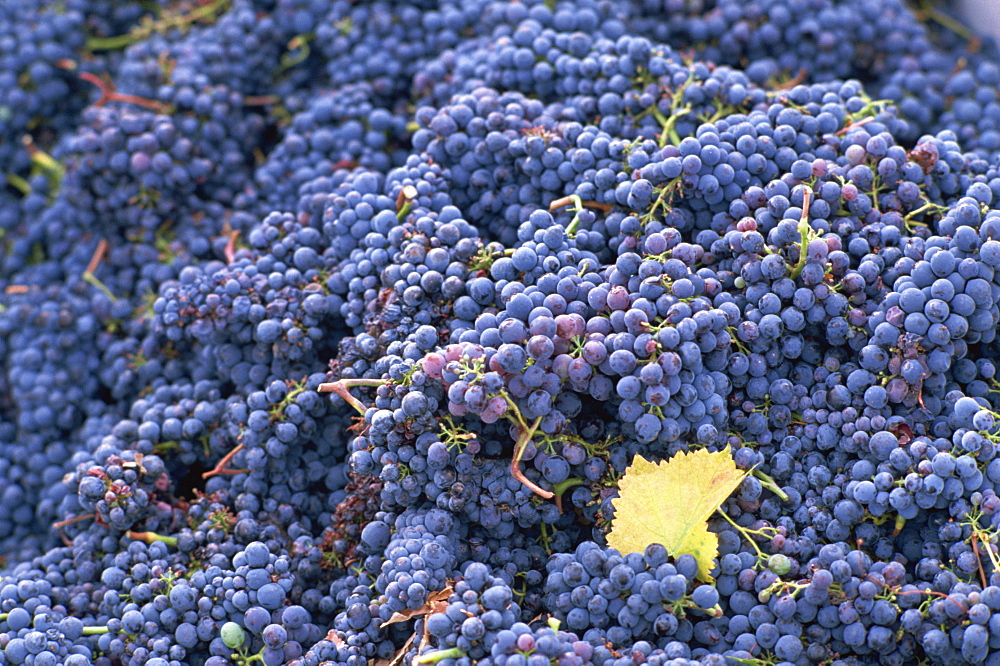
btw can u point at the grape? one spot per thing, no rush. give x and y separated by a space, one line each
232 635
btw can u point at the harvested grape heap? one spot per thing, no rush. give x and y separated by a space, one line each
358 333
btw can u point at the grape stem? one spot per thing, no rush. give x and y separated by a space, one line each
668 124
42 159
515 464
95 261
19 183
341 388
45 164
799 77
151 537
298 52
438 655
109 94
928 12
562 487
578 206
69 521
362 382
770 484
230 249
220 467
974 540
745 533
206 12
95 631
404 201
804 232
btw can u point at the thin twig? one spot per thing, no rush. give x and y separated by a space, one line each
220 467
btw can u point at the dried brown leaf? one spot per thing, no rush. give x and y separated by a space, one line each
435 603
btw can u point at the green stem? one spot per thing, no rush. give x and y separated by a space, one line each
575 222
899 524
770 484
92 279
47 163
148 28
522 441
51 168
563 486
934 14
300 51
805 230
111 43
94 631
663 194
150 537
518 419
928 206
746 535
19 184
405 210
438 655
796 270
515 464
669 124
362 382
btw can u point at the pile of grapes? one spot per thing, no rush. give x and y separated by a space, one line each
329 329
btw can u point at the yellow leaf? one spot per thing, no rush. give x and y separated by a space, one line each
670 502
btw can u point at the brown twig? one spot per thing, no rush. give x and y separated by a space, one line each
341 388
864 121
979 562
95 259
566 201
220 467
515 463
260 100
109 94
230 250
796 80
933 593
69 521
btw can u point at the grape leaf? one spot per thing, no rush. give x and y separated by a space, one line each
670 502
